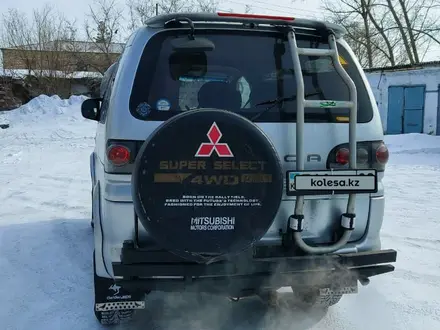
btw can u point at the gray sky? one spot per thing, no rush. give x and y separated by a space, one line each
79 9
75 9
72 9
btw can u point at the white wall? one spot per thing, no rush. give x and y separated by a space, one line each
380 81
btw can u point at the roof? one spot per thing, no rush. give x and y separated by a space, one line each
47 73
72 46
405 67
298 23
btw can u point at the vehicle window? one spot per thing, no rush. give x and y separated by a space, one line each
106 92
245 90
190 87
246 68
104 106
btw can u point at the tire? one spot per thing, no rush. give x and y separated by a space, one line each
226 199
304 299
316 298
110 317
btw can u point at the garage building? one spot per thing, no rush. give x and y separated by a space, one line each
408 97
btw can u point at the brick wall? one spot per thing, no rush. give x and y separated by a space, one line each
19 59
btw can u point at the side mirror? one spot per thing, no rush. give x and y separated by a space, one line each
91 108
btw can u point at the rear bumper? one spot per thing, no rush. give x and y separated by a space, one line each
162 271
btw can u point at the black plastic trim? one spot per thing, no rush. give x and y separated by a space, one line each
237 284
145 263
97 195
298 23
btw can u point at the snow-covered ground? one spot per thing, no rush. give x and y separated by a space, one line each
46 240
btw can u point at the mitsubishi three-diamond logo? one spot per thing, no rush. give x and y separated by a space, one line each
214 136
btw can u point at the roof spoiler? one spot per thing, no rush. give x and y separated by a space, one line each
321 27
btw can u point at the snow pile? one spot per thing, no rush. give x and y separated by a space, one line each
413 144
47 107
47 117
413 150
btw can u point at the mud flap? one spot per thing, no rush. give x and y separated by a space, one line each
110 296
113 303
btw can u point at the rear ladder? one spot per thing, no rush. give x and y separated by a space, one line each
348 218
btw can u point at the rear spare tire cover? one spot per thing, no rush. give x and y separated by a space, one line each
207 182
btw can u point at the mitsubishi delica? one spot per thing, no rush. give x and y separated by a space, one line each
235 155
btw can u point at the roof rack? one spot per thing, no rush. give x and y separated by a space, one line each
299 23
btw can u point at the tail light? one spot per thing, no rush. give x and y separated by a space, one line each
282 18
342 156
118 155
370 155
121 155
382 154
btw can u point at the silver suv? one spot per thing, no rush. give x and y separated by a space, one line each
235 154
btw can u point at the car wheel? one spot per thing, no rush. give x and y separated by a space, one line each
304 299
316 298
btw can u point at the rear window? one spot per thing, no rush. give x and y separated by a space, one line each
245 69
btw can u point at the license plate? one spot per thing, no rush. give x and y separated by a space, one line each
331 182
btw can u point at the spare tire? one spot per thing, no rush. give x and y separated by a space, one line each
206 184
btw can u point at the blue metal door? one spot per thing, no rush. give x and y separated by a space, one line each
395 110
405 109
413 109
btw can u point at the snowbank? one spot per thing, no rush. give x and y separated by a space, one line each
47 117
413 144
46 107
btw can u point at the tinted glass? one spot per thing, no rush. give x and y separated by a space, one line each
245 69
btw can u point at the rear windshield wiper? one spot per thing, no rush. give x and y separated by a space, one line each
272 104
278 101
